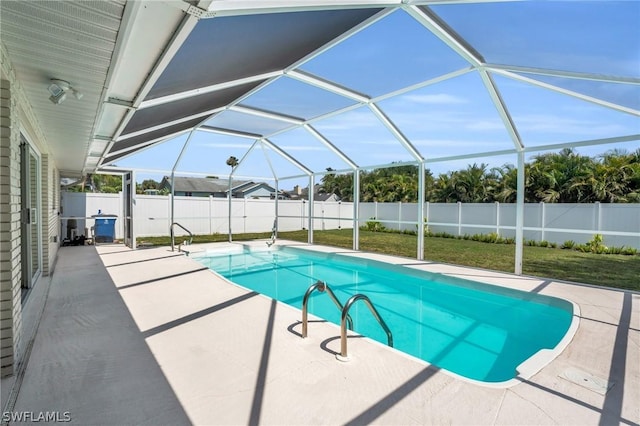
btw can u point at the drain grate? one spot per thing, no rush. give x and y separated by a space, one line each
587 380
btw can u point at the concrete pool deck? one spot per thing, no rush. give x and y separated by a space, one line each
151 337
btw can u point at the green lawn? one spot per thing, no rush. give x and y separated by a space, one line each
607 270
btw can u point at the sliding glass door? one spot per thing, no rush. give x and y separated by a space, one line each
30 207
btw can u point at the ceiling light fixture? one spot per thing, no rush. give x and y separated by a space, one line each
58 90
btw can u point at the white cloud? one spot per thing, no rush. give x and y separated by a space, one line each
215 145
438 98
302 148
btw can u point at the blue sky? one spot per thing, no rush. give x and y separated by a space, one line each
450 118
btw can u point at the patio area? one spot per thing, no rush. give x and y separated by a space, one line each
151 337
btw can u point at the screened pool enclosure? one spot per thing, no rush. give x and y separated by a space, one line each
299 89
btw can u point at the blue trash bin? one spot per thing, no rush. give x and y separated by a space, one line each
104 228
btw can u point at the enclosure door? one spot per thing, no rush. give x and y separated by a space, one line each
31 232
129 194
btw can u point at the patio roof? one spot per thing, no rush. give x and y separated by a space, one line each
282 72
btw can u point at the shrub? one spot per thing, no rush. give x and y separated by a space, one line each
544 243
373 225
615 250
596 244
584 248
569 244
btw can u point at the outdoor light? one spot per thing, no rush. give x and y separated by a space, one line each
58 90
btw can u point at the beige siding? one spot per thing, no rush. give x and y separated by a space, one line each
11 308
16 114
50 219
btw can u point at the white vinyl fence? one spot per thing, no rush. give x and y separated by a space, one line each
618 223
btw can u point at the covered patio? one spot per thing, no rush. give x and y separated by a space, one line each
151 337
114 335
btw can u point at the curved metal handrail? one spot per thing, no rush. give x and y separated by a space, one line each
321 287
343 326
173 237
272 239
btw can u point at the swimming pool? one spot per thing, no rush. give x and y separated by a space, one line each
478 331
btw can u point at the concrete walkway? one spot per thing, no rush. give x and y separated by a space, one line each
150 337
89 361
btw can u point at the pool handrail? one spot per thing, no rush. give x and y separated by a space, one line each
343 356
321 287
173 236
272 239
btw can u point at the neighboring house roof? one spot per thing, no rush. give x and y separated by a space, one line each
208 185
211 186
303 194
325 197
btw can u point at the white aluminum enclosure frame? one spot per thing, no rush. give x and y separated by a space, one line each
476 64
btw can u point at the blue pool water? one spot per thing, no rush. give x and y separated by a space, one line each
476 330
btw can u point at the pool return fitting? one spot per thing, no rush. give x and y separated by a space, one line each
345 318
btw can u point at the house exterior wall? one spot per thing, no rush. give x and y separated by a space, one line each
10 272
16 117
260 192
50 209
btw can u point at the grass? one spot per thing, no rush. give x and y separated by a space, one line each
608 270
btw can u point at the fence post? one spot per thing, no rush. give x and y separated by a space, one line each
244 215
339 214
498 218
459 218
399 213
426 217
598 217
210 214
543 218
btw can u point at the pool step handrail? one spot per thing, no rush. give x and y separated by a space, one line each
343 356
274 230
173 236
321 287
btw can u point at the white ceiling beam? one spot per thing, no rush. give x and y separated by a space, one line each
208 89
266 114
244 157
169 124
591 142
124 35
187 25
227 132
253 7
143 146
389 124
533 149
502 109
567 92
327 85
454 41
422 84
564 74
327 143
342 37
286 156
473 155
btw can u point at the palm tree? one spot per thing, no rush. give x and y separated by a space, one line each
232 162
